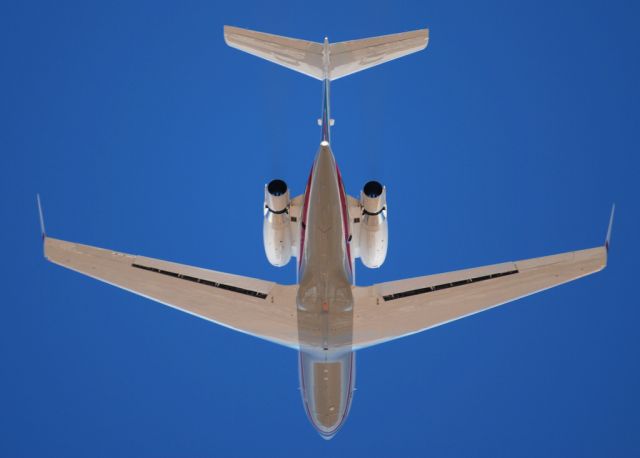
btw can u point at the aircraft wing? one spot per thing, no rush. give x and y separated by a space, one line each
260 308
388 311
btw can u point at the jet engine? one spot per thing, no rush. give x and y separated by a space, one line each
373 225
276 231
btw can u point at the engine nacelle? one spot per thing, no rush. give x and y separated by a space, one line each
276 231
373 237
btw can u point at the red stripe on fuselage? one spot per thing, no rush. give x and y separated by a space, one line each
345 216
303 224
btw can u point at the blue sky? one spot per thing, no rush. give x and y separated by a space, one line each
508 138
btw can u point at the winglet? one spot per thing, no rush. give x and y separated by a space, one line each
607 241
42 231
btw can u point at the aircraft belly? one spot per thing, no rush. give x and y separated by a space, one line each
324 300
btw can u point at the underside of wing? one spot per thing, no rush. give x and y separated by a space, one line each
256 307
388 311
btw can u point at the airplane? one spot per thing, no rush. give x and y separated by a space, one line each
325 317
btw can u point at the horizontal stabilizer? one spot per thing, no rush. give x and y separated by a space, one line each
324 60
349 57
299 55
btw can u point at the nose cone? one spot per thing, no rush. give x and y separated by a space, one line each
327 388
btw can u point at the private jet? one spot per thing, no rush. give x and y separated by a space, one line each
325 317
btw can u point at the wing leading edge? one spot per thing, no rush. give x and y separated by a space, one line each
256 307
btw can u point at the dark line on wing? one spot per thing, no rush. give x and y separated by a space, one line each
202 281
430 289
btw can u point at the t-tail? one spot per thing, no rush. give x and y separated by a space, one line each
326 61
